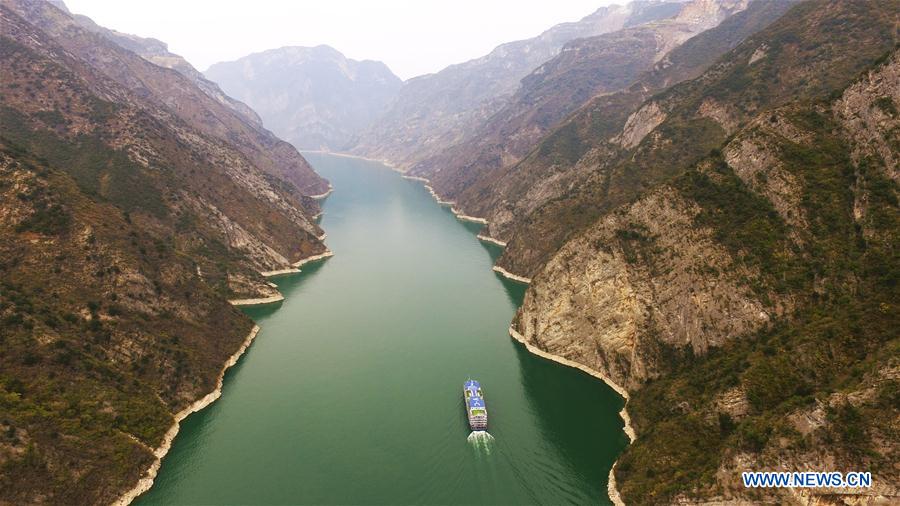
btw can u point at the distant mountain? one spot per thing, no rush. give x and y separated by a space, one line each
584 68
435 111
134 205
313 97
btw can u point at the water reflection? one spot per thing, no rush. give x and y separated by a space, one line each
351 394
552 390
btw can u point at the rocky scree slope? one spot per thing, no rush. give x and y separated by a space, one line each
584 68
313 97
737 272
435 111
125 229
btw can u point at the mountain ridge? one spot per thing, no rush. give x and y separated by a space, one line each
128 223
436 110
585 68
727 255
314 97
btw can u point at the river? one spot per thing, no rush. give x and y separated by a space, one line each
352 391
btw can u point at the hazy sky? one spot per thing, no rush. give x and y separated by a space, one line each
411 36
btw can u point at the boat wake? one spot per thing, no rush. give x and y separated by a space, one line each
481 440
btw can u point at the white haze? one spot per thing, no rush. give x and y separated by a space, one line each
412 37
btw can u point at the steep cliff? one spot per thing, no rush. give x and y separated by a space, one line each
158 52
314 97
584 68
124 230
435 111
741 279
621 144
171 89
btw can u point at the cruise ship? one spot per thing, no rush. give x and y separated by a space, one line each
475 408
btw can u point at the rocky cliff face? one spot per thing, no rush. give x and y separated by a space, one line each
313 97
584 68
157 52
435 111
645 281
617 145
130 212
746 298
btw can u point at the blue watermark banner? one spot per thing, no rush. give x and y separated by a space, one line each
806 479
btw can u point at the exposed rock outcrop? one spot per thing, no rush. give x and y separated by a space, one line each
583 69
643 282
572 160
716 297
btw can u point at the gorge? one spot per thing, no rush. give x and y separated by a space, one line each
694 201
351 392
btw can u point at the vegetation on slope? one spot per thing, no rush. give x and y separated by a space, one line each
123 232
96 350
836 357
583 170
773 175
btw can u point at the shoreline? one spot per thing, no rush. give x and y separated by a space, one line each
628 429
293 269
257 302
146 480
435 196
611 488
289 270
487 238
465 217
322 195
508 275
348 155
328 253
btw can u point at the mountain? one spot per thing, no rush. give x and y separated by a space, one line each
172 89
724 248
602 142
314 97
584 68
435 111
133 207
785 354
157 52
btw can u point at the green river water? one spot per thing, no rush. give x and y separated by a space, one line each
352 391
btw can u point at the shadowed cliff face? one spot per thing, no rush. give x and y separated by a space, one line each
745 292
315 98
435 111
133 207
